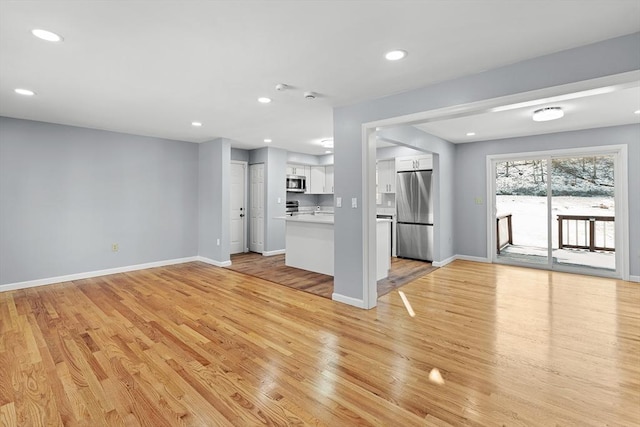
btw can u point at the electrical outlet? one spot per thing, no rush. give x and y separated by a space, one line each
218 242
114 247
354 202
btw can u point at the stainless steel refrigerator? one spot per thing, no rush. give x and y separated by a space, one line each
415 215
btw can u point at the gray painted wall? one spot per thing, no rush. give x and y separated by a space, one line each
606 58
214 159
68 193
239 155
276 197
471 219
302 158
387 153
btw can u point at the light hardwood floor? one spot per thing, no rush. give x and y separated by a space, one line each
198 345
273 269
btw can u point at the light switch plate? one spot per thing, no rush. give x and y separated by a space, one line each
338 202
354 202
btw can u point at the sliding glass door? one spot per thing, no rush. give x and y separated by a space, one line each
522 226
556 212
583 206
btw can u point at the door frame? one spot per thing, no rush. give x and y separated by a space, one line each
245 168
621 197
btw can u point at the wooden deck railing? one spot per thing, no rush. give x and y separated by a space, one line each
588 232
505 237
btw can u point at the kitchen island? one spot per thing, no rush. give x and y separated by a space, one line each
309 243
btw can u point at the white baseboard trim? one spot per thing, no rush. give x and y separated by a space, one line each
213 262
634 279
90 274
348 300
473 258
272 253
445 262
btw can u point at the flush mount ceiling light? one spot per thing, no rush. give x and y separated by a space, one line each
636 112
196 124
327 152
264 100
327 143
548 113
267 140
25 92
46 35
471 134
395 55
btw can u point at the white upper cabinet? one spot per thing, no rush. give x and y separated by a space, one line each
386 176
317 180
321 180
300 170
328 179
421 162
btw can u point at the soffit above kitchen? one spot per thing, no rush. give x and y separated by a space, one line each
153 68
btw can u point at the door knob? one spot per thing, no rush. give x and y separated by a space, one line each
241 215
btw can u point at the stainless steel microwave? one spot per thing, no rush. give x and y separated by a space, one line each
296 183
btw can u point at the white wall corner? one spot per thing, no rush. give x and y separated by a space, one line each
90 274
348 300
272 253
213 262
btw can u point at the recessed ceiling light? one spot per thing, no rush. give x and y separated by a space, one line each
267 140
25 92
46 35
395 55
471 134
327 152
264 100
196 124
327 143
548 113
636 112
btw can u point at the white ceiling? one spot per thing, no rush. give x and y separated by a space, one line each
606 109
151 68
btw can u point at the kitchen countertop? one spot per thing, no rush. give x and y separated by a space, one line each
321 218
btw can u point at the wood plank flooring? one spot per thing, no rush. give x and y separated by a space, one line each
197 345
273 269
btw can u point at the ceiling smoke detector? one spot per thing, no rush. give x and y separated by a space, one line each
310 95
281 86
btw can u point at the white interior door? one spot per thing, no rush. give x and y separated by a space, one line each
238 207
256 231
